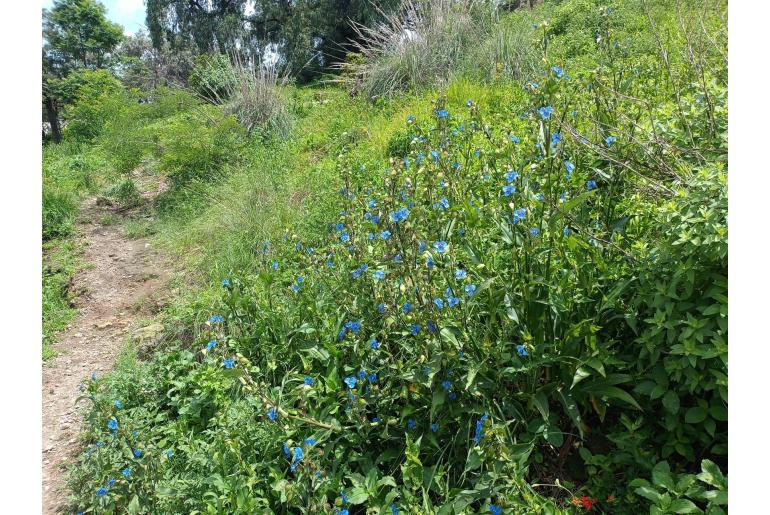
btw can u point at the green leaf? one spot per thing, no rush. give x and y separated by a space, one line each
648 493
570 407
711 475
695 415
671 402
580 374
357 495
661 476
683 506
541 403
615 393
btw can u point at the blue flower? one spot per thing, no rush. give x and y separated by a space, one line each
399 215
440 246
539 197
442 204
351 381
126 472
566 231
379 275
407 308
118 404
361 374
272 414
534 231
439 303
295 288
298 456
453 301
93 376
228 363
111 482
411 423
495 510
414 329
446 384
372 377
479 429
434 155
452 396
310 441
345 236
101 492
469 102
138 453
442 113
169 453
410 118
519 215
216 319
407 163
509 190
511 176
372 204
521 350
545 112
374 344
385 235
431 326
397 258
275 265
421 246
515 139
353 326
213 343
570 167
381 308
558 71
590 185
470 289
609 140
429 262
112 424
555 139
286 450
375 420
225 282
309 381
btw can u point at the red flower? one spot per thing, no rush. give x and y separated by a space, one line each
587 502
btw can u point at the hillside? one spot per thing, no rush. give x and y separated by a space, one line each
486 273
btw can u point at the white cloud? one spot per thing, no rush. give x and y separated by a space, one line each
129 7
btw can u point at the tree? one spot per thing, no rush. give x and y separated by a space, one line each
76 34
306 36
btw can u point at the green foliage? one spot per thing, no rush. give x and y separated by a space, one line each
96 99
59 210
125 193
551 310
213 77
682 493
59 264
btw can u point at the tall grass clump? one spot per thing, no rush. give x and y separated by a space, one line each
418 47
252 92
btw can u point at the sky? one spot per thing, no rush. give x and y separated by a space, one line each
128 13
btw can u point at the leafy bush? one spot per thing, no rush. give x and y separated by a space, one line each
213 78
195 145
95 103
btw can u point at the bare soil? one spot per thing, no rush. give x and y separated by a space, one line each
120 286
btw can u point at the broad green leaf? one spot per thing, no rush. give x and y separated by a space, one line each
695 415
683 506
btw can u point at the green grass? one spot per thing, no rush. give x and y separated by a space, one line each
60 263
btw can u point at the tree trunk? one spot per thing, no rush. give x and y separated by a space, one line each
52 113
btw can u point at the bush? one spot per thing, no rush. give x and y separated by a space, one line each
213 78
97 97
125 193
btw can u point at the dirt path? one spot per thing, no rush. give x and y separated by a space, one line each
120 282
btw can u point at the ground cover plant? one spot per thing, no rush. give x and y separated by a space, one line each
505 292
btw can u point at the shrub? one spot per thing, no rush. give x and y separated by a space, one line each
125 193
97 97
213 78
